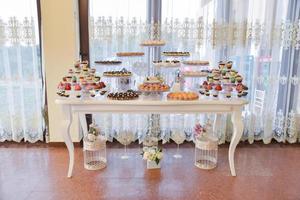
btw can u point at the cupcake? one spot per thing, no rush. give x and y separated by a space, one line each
216 80
229 64
223 72
77 65
67 89
215 93
228 94
244 93
77 71
97 78
81 79
92 93
209 87
74 79
202 91
221 65
61 89
217 89
226 79
77 90
232 79
70 71
64 79
239 87
207 93
239 78
233 72
240 94
68 79
92 70
97 87
245 87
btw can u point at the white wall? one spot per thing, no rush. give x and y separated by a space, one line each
60 46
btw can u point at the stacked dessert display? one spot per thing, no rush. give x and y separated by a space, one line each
195 68
224 79
153 87
173 78
81 81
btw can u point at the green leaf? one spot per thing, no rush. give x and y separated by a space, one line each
157 160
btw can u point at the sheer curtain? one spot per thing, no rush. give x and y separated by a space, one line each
262 37
21 85
119 26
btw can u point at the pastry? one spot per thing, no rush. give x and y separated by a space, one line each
175 53
128 95
108 62
166 63
121 73
153 87
153 43
184 96
195 62
121 54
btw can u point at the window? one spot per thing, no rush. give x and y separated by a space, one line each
115 26
21 84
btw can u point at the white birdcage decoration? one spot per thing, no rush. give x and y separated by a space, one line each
206 152
94 149
94 153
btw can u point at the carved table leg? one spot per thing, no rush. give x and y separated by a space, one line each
66 124
238 128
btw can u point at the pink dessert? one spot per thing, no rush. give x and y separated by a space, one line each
77 89
67 86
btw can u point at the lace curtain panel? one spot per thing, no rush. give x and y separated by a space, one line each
261 37
21 84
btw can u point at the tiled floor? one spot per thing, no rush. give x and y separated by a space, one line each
37 171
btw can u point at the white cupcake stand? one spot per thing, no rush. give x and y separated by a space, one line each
90 106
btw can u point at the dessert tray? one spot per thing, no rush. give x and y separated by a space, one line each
128 95
122 73
182 96
108 62
153 43
224 80
166 63
194 73
195 62
154 87
153 79
175 53
79 81
129 54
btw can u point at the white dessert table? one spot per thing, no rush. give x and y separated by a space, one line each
90 106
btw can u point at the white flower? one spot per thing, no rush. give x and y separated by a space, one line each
145 149
159 155
146 155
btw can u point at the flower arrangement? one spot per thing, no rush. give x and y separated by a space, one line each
199 130
152 154
93 132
